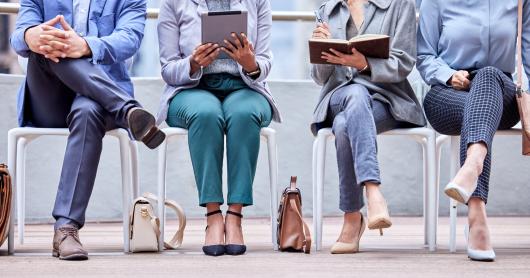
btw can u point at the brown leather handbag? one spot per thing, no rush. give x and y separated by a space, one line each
523 97
293 232
5 202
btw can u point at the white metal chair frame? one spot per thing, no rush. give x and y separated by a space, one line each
267 134
18 140
426 137
454 167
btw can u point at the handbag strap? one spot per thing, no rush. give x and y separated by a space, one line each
293 182
307 234
176 240
520 46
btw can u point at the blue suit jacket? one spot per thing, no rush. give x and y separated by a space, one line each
115 31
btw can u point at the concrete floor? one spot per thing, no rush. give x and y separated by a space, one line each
399 253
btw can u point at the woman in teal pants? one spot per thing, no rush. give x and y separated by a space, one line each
213 95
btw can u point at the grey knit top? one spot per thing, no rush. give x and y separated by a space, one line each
221 65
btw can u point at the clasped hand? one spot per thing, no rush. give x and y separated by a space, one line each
460 80
238 48
55 43
356 59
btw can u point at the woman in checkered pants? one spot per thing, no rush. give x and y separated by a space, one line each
466 52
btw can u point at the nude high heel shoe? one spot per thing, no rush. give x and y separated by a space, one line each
349 248
458 193
379 219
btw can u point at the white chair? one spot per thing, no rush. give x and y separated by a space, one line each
267 134
426 137
18 140
453 168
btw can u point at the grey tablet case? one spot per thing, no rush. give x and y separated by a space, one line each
217 26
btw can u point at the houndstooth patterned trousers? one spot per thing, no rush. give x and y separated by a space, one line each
489 105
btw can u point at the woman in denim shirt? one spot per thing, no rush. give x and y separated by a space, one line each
466 52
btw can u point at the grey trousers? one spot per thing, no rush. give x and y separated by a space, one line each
357 119
79 95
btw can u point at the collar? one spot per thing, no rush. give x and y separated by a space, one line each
332 4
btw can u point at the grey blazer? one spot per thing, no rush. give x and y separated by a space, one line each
179 32
388 77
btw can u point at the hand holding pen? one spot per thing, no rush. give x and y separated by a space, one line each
322 29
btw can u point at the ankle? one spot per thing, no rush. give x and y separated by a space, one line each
373 192
474 166
352 217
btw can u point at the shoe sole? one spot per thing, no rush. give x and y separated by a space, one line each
73 257
380 224
481 260
143 128
454 194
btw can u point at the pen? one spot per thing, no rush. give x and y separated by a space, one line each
319 19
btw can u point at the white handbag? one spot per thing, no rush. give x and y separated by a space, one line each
144 225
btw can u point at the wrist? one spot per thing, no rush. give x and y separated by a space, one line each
194 66
28 34
251 68
87 52
363 67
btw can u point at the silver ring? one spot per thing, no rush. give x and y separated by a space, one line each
462 83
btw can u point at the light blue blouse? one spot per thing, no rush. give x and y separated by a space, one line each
81 9
469 34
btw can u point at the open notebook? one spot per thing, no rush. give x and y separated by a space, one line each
371 45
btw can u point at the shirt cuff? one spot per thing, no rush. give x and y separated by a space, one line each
96 47
19 41
443 74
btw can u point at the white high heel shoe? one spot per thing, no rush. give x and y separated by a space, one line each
478 255
458 193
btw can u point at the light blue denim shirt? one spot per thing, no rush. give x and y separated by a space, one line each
81 8
471 34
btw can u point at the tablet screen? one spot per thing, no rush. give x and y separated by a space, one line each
218 26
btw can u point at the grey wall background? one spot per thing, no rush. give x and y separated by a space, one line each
400 160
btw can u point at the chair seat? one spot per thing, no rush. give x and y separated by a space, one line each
29 131
177 131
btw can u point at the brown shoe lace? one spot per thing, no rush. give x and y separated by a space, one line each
70 231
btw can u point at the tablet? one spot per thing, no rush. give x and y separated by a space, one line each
218 26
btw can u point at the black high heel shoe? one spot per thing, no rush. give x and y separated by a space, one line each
217 249
235 249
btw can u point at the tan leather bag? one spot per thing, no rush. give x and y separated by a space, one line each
5 202
293 232
144 225
523 97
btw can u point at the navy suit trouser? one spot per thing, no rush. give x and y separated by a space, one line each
79 95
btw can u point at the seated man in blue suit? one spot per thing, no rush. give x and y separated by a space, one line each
77 78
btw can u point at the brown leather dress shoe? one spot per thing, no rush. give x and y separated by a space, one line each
66 244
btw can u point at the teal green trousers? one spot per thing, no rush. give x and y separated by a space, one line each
222 105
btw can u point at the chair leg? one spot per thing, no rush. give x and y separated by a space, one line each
321 161
12 166
425 190
127 185
314 184
21 187
273 173
162 164
433 191
453 205
133 146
